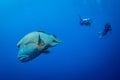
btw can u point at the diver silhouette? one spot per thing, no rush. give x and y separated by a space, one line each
107 28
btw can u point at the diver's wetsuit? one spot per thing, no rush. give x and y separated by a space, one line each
107 28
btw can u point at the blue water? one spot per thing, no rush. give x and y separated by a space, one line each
80 56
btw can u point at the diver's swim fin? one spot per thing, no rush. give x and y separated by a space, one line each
100 35
99 32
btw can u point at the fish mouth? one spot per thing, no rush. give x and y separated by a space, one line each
23 58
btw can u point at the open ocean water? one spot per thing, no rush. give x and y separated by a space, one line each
81 55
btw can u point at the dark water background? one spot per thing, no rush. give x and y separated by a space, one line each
80 56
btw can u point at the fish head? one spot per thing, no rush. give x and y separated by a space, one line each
55 41
28 52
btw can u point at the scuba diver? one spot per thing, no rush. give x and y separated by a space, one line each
85 21
107 28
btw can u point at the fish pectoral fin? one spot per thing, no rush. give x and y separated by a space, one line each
42 47
40 42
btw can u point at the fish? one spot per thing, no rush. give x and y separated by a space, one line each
34 44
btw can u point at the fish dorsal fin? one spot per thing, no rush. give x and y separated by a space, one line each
41 31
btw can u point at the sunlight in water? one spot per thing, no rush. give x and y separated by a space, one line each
8 3
84 2
98 2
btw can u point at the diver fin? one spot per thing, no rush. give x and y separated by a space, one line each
100 36
99 32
